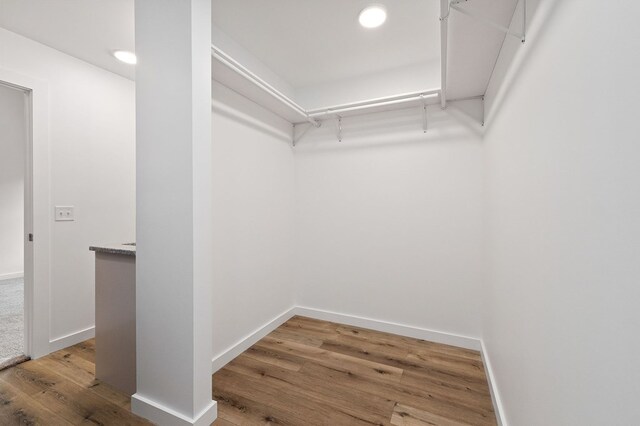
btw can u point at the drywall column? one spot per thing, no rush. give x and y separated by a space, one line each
174 236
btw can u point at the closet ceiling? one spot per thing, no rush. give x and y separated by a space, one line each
305 42
86 29
314 42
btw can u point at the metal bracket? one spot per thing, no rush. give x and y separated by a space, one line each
339 129
454 4
445 17
293 135
424 114
296 138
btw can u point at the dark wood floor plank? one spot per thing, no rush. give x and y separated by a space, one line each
222 422
85 350
296 336
18 408
437 403
331 359
464 368
408 416
370 407
238 410
278 358
22 377
411 344
288 399
311 328
77 405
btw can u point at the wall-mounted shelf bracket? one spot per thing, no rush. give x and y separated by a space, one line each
339 129
297 137
424 114
248 75
455 5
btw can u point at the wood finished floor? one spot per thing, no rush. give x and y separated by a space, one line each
307 372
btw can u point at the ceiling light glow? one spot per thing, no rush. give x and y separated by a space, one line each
126 57
373 16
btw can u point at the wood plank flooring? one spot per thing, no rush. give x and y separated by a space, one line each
60 389
307 372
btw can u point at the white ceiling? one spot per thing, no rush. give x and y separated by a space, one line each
311 42
306 42
87 29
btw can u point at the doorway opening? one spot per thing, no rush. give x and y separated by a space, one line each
14 215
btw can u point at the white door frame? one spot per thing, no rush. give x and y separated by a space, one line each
38 215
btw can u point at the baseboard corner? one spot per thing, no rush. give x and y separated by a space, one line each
160 414
393 328
493 386
245 343
71 339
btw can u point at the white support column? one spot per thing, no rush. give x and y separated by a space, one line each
174 236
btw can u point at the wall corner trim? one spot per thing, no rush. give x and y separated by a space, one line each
394 328
163 415
245 343
493 387
71 339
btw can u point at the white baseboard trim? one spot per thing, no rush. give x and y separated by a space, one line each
389 327
11 276
229 354
493 387
162 415
71 339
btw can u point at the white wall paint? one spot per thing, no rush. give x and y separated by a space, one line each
561 316
253 217
422 76
91 135
229 46
510 48
389 220
13 141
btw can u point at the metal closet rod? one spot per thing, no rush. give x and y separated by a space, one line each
234 65
373 103
310 116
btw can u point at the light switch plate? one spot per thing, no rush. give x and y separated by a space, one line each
64 213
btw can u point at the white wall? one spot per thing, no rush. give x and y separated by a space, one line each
253 217
421 76
12 148
389 220
92 152
229 46
561 316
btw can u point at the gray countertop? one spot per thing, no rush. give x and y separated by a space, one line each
127 249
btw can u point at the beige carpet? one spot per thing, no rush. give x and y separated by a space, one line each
11 319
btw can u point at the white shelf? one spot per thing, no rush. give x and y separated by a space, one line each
238 78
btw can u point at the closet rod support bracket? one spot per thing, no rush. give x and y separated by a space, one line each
455 5
296 138
424 114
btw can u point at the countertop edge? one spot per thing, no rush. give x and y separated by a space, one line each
122 249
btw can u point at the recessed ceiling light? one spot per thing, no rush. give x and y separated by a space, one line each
373 16
126 57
